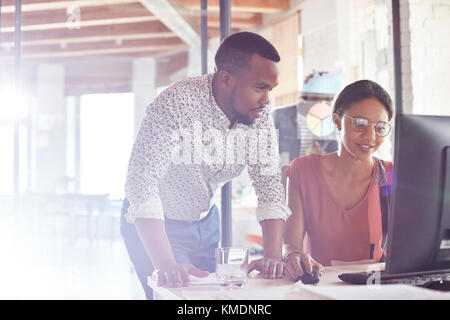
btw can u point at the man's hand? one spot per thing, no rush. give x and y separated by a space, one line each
272 265
269 267
177 275
169 273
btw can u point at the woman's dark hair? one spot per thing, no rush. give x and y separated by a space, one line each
236 50
360 90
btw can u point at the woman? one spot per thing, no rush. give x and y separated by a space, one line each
335 198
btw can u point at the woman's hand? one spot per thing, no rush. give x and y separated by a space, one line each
293 269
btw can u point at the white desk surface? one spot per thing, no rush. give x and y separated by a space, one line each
329 287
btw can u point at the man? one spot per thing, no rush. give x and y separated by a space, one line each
176 226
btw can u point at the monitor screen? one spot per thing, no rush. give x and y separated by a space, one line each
419 215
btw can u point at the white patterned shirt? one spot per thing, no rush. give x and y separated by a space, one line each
185 151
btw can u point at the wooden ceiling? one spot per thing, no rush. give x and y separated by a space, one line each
64 31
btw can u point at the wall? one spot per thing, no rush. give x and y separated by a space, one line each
425 30
351 35
283 34
319 31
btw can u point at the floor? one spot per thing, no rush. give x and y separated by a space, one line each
51 256
51 252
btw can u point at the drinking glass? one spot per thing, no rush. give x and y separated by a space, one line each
231 266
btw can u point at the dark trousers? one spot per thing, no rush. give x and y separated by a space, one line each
192 242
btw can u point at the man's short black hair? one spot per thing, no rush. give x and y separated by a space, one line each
236 50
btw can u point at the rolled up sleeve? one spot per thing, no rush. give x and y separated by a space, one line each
266 175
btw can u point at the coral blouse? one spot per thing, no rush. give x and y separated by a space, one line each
335 233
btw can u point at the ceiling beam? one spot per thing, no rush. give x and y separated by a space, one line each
81 24
252 6
90 39
93 59
108 51
91 13
256 20
173 20
41 5
55 48
112 30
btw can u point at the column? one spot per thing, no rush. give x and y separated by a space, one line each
144 76
50 146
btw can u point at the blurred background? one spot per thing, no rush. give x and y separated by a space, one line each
72 99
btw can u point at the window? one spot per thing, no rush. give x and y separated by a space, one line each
106 139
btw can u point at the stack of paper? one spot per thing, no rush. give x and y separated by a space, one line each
376 292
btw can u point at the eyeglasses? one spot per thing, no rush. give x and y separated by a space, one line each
361 124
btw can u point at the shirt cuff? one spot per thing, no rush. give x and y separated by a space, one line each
272 211
151 208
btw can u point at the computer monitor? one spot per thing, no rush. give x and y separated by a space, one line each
419 215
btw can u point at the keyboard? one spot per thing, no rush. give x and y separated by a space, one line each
381 277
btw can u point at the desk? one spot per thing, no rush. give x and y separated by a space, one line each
329 287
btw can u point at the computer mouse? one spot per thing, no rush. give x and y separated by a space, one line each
309 278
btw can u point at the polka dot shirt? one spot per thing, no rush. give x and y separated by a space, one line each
185 151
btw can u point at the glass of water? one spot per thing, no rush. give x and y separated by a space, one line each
231 266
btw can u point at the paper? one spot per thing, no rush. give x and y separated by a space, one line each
215 293
346 263
209 280
261 290
376 292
